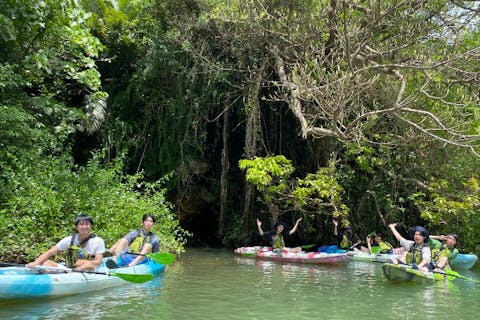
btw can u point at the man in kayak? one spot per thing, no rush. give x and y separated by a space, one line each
84 250
276 237
416 252
141 241
442 253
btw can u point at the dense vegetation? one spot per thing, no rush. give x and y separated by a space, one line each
212 113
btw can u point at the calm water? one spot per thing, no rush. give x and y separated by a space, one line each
213 284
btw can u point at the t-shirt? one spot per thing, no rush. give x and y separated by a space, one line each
426 252
94 245
154 241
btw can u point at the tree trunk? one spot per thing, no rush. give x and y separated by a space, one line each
252 136
224 177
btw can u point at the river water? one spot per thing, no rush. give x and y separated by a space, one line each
214 284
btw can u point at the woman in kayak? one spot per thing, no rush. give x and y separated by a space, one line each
416 252
141 241
84 249
276 237
384 247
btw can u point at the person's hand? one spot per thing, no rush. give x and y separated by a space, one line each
392 225
31 265
299 219
335 222
259 223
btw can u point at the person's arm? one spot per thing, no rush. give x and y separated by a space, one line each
155 244
43 257
335 227
114 248
426 257
97 249
397 235
295 226
440 237
369 245
259 226
84 264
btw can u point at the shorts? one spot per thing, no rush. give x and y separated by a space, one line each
125 259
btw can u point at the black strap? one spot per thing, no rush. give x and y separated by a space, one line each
90 236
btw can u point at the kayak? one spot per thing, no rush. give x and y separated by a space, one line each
372 257
463 261
19 282
405 273
266 253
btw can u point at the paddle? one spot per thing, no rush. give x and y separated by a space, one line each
454 274
356 244
308 246
130 277
158 257
9 264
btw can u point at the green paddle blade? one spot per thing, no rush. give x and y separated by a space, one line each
308 246
134 277
458 275
161 257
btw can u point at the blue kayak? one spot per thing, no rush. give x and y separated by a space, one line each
463 261
19 283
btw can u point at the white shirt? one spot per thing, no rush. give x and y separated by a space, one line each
94 246
426 252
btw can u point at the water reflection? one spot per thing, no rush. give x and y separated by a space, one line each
214 284
94 305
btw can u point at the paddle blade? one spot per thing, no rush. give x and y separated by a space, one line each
134 277
162 257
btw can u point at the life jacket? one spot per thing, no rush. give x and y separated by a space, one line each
76 252
385 247
346 243
277 241
139 242
414 255
438 253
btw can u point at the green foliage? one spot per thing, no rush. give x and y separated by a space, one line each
318 193
261 172
47 199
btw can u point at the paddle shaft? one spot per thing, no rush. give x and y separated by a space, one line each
130 277
158 257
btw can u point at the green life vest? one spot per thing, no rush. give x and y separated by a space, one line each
384 247
345 243
414 255
278 242
76 252
139 242
442 251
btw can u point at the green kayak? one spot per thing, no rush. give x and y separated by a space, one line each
405 273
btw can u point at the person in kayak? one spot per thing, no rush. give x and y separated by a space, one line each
444 252
84 250
375 238
344 238
416 251
142 241
277 236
